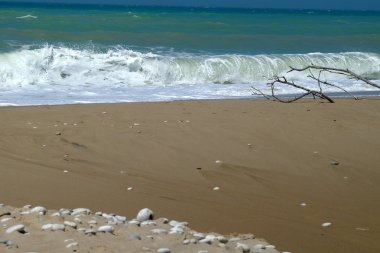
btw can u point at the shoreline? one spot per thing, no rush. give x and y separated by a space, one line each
108 148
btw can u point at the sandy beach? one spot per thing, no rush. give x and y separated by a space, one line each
278 171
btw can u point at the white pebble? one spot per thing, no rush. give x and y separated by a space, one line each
19 228
39 209
53 227
65 171
163 250
218 161
145 214
70 224
216 188
80 211
73 244
326 224
106 229
130 188
243 247
303 204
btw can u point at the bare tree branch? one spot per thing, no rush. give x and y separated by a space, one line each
276 80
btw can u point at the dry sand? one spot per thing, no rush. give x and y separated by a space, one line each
273 157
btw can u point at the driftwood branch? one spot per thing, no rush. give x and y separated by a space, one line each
276 80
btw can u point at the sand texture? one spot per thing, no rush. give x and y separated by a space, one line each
278 171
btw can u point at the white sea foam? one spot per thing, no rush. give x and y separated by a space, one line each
27 16
54 75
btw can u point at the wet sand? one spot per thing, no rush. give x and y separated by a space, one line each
266 158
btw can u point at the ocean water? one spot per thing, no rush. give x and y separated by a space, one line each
59 54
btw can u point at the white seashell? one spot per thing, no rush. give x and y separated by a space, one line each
235 239
303 204
53 227
106 229
93 222
218 161
222 239
5 219
145 214
326 224
211 237
147 223
38 209
176 230
64 211
98 213
27 206
121 219
55 214
243 247
129 188
90 231
70 224
136 222
199 236
270 247
73 244
206 240
159 231
76 219
163 250
65 171
19 228
107 216
258 248
80 211
216 188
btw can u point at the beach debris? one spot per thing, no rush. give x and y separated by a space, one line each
243 247
303 204
106 229
362 229
335 163
216 188
16 228
218 161
39 209
65 171
326 224
163 250
78 211
145 214
70 224
73 244
58 133
53 227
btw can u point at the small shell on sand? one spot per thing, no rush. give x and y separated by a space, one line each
303 204
106 229
218 161
19 228
70 224
326 224
216 188
53 227
163 250
78 211
73 244
129 188
243 247
38 209
145 214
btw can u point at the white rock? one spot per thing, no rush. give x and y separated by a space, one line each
98 213
64 211
222 239
53 227
78 211
159 231
121 219
326 224
107 216
270 247
135 222
243 247
258 248
55 214
177 230
199 236
3 220
147 223
73 244
106 229
206 240
90 231
38 209
235 239
19 228
163 250
145 214
27 206
70 224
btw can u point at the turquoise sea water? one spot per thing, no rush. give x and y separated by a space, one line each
53 54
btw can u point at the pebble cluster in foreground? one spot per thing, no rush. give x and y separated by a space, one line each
36 229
